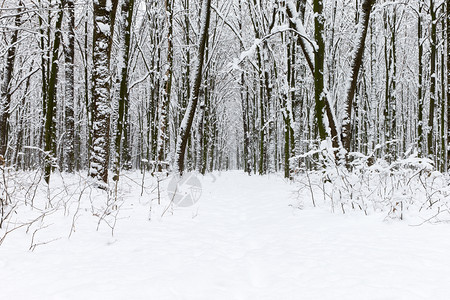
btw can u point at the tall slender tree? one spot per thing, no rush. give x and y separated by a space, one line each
448 83
121 140
5 95
69 88
49 127
420 134
357 57
319 60
163 140
433 45
186 124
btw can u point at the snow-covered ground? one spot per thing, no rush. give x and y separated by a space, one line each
244 239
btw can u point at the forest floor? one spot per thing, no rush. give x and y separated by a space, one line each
245 238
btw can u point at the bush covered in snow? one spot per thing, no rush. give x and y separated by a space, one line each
409 187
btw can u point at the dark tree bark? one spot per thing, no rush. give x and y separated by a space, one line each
244 100
21 122
104 17
287 106
87 100
5 96
356 65
442 114
448 83
186 123
319 59
69 54
322 103
305 44
163 141
421 139
433 43
121 141
49 127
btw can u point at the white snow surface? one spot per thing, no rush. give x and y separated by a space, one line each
243 240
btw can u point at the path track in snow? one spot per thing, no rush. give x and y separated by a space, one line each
242 241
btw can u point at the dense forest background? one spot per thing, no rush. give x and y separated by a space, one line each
259 85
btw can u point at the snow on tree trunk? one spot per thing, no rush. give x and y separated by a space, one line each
448 84
186 123
69 53
319 58
49 127
104 12
5 96
121 142
163 138
433 45
421 139
357 56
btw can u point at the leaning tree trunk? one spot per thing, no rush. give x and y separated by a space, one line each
357 57
104 17
186 123
5 96
49 127
316 60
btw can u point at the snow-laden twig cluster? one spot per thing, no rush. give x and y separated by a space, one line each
72 203
405 188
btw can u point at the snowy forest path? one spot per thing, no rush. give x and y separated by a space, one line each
244 239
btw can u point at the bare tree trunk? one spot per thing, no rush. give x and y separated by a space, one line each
121 142
319 59
200 133
357 57
442 113
421 139
104 17
244 99
433 79
305 44
288 99
21 121
49 127
163 141
5 96
89 110
322 102
448 84
69 53
186 123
